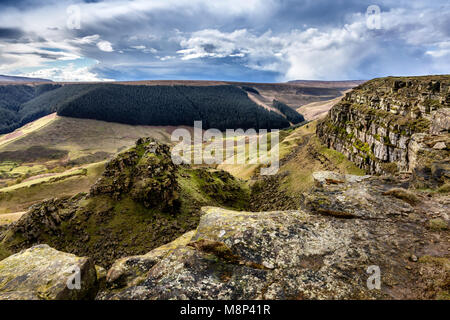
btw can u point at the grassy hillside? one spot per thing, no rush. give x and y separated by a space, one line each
301 154
55 144
305 154
19 197
84 137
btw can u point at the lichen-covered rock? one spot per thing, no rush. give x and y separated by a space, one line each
128 271
330 177
44 273
374 125
300 254
441 121
360 196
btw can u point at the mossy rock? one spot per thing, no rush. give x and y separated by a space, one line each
404 195
438 224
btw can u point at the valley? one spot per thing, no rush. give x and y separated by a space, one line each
53 147
357 186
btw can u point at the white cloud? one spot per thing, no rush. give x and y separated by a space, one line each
68 73
167 58
308 54
327 53
442 50
25 55
138 47
105 46
86 40
144 49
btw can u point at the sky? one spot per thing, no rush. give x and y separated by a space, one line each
235 40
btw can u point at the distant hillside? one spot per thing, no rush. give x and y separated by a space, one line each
293 94
219 107
21 79
13 97
219 104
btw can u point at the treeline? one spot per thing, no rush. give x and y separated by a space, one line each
250 89
291 115
222 107
13 109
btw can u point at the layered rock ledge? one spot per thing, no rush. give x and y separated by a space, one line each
392 124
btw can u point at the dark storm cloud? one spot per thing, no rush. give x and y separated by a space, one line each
21 4
10 33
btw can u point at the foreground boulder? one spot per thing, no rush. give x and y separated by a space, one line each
44 273
349 225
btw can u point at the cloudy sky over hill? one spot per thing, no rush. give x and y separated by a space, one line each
252 40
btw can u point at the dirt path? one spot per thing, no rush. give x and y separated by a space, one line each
7 218
319 109
254 98
26 129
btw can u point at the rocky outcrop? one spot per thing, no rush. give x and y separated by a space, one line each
322 178
322 252
141 202
384 125
146 173
43 273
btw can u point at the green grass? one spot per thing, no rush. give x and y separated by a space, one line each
55 144
312 156
211 187
4 253
19 197
48 179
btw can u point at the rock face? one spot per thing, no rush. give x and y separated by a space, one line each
321 252
43 273
386 125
